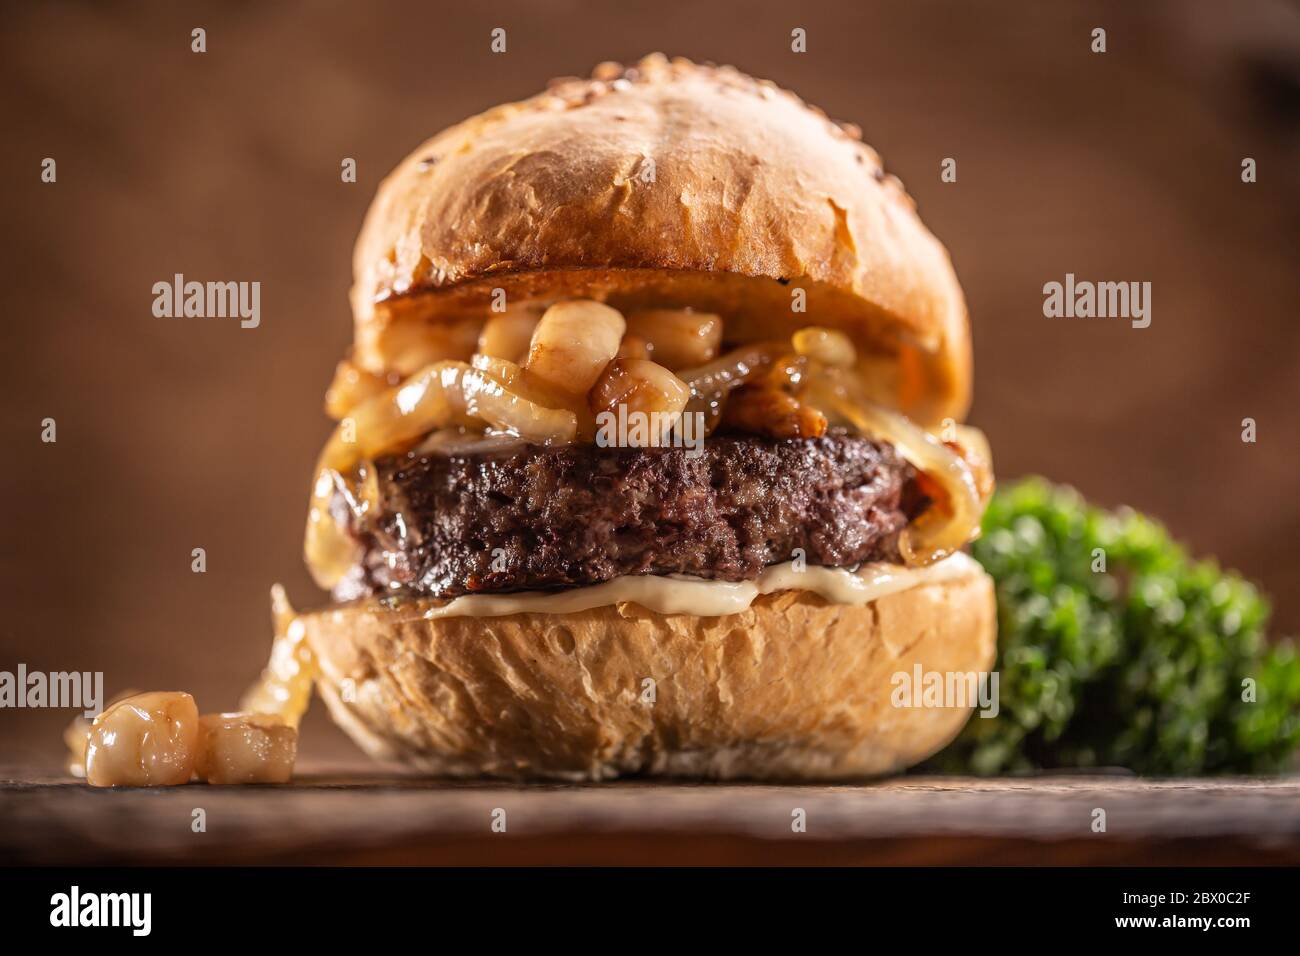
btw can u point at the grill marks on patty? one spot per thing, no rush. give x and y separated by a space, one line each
534 518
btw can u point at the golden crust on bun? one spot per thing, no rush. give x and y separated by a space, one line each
667 183
793 687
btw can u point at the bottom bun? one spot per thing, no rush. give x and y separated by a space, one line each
793 687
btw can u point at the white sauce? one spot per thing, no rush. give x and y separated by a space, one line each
680 594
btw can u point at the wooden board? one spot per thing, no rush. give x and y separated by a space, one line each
350 815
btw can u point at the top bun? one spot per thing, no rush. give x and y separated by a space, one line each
668 183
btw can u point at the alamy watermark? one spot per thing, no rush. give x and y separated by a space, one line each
209 300
74 908
57 689
624 428
944 689
1083 299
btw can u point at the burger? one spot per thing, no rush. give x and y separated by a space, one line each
649 455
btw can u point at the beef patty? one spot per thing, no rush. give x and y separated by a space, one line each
532 518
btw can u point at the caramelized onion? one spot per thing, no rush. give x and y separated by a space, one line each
765 410
525 384
284 689
973 447
460 441
403 347
77 734
710 406
491 400
948 524
677 337
642 387
507 334
786 372
825 346
733 369
350 387
633 346
572 344
442 395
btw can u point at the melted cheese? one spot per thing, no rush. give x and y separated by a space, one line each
680 594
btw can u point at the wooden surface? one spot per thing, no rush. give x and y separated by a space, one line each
364 816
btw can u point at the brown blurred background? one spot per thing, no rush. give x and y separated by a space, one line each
177 434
